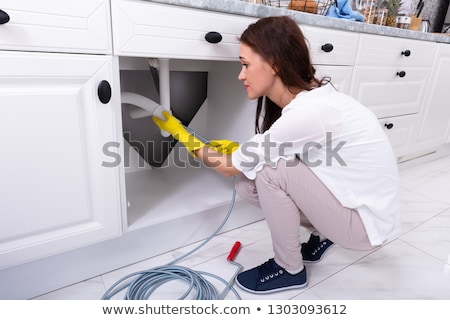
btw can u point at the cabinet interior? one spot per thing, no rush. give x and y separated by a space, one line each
162 181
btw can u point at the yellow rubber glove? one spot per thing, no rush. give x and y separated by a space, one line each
173 126
224 146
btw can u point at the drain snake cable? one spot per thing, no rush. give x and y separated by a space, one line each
146 282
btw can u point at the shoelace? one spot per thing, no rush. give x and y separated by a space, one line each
322 244
267 271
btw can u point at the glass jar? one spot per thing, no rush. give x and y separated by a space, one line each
403 22
367 8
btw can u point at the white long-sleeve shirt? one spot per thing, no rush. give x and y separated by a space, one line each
344 145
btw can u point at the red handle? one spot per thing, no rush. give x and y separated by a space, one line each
234 251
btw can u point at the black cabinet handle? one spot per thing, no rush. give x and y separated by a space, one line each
401 74
104 91
4 17
213 37
389 126
327 47
406 53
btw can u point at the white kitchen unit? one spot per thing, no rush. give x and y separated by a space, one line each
57 112
434 127
82 26
225 114
143 27
77 197
390 77
55 193
333 53
181 188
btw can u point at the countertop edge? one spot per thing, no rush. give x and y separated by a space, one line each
259 11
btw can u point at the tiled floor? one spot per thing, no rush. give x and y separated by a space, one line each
415 265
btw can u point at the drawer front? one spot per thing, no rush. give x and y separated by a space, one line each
388 51
399 131
143 28
388 94
331 47
341 76
82 26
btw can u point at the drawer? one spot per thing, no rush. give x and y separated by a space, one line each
148 29
81 26
331 47
399 131
388 94
388 51
341 76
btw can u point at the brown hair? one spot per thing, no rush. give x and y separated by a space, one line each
280 42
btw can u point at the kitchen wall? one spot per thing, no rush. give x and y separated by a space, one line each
433 11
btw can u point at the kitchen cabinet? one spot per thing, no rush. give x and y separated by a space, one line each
55 193
434 127
141 28
169 31
70 195
181 189
400 131
226 112
390 77
333 54
82 26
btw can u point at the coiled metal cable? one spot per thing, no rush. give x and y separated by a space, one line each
141 285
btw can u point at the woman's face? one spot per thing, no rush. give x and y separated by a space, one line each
257 75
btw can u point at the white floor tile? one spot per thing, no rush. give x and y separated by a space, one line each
435 186
433 237
417 208
414 266
91 289
396 271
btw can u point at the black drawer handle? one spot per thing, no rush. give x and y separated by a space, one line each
213 37
104 91
327 47
406 53
401 74
389 126
4 17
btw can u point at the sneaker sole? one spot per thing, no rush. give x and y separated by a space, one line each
298 286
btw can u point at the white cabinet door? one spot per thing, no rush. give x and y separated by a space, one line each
55 195
390 91
82 26
331 47
434 128
147 29
399 131
377 50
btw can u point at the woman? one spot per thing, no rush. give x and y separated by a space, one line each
319 159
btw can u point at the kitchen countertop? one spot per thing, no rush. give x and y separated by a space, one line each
260 11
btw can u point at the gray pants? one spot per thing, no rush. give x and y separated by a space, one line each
291 196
